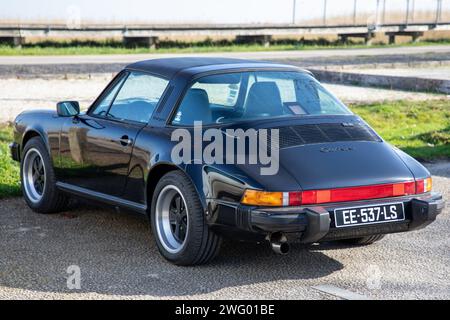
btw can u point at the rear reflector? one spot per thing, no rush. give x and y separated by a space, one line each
308 197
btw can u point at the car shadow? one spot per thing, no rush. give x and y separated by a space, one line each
116 255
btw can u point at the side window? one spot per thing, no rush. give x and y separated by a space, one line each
102 108
138 97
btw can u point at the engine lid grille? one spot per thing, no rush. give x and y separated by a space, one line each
326 132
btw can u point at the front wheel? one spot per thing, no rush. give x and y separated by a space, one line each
178 222
38 179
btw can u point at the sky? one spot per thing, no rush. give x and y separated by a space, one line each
196 11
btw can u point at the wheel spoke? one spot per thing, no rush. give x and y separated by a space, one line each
182 232
176 233
40 165
37 187
178 204
35 176
183 215
172 217
182 206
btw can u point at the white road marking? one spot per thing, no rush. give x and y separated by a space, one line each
340 293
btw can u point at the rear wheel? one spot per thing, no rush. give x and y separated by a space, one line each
38 179
364 240
178 222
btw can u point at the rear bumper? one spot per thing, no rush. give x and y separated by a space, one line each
15 151
314 223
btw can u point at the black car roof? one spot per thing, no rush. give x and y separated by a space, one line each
168 67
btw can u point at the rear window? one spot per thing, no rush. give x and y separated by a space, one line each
257 95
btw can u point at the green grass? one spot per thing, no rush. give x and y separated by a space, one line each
9 170
421 129
116 47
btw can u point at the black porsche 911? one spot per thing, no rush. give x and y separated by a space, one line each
325 174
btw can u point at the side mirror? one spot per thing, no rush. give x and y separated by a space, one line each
68 108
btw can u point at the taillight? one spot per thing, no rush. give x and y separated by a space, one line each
295 198
263 198
428 184
423 186
309 197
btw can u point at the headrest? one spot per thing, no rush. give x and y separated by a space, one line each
195 107
264 99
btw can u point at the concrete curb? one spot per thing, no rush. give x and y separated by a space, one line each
383 81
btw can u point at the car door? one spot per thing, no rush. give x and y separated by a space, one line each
96 147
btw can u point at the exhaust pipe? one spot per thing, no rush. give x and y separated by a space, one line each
279 244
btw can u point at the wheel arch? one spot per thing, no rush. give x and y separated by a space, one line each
32 133
155 175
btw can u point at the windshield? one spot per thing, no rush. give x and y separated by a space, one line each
256 95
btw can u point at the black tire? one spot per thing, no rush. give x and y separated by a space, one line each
364 241
52 200
201 245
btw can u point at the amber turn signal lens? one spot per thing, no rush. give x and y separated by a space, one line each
262 198
428 184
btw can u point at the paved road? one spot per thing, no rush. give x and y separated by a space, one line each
272 55
118 259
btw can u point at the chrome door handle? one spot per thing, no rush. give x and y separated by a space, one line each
126 141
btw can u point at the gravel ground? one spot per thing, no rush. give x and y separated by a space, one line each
118 259
17 95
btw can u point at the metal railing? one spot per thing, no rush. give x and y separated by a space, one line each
380 11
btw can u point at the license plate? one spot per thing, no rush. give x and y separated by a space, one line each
364 215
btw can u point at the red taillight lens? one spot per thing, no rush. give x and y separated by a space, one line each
410 188
420 186
351 194
295 199
309 197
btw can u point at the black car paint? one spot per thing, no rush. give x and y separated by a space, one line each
103 168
